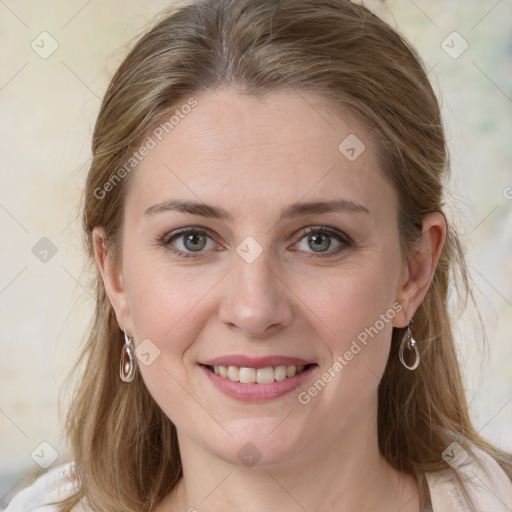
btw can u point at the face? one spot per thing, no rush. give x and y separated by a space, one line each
253 239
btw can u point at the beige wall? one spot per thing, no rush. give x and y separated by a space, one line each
48 107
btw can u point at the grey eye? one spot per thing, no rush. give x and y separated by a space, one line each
194 241
319 242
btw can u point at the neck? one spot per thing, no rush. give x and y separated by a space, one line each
345 476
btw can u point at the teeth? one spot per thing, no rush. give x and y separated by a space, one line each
247 375
290 371
265 375
280 372
234 373
259 375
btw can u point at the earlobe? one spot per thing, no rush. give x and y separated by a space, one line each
421 267
112 278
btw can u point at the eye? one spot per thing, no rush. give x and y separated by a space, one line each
189 241
317 241
323 241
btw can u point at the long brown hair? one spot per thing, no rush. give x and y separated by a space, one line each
124 445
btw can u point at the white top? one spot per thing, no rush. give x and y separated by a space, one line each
485 481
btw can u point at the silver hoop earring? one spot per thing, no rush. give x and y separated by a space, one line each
409 343
128 361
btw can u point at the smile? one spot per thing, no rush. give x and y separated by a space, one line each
263 384
258 375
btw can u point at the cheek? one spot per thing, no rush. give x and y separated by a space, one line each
164 297
353 310
167 307
355 321
351 300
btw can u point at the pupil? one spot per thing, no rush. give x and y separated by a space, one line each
320 242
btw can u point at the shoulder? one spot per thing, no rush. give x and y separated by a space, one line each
53 486
485 483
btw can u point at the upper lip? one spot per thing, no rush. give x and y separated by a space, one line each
244 361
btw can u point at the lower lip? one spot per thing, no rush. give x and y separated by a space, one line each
252 392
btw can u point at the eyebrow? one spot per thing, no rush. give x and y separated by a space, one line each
294 210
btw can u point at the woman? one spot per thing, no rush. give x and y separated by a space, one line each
265 210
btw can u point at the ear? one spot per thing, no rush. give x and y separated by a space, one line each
419 270
112 280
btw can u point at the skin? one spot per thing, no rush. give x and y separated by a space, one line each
253 157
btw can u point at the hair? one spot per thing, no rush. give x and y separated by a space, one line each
125 447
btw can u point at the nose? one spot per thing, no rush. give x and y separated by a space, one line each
256 300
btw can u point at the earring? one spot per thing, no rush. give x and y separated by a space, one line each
128 362
409 343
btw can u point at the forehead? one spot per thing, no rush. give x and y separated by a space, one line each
249 152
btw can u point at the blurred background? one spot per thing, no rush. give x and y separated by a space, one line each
56 59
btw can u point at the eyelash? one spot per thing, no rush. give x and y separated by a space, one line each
344 239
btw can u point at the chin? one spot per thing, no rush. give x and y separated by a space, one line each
260 444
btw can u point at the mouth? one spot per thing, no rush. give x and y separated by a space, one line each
265 375
257 383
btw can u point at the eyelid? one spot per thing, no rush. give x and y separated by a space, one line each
329 231
183 231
